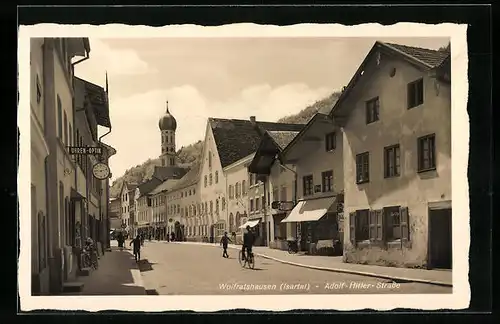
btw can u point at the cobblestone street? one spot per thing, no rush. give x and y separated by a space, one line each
183 269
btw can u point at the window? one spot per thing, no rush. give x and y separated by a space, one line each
330 142
244 187
415 93
251 205
362 225
257 204
238 189
427 153
59 117
217 206
392 161
172 161
393 223
231 193
307 185
363 167
210 179
206 180
211 207
216 176
206 207
327 181
223 203
372 110
209 159
182 194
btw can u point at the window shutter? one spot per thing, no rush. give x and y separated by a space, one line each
352 228
404 226
380 225
373 225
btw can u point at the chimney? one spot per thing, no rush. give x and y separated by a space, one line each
252 119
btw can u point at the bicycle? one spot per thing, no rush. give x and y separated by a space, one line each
90 259
250 260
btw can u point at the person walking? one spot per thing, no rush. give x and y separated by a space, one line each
224 242
136 248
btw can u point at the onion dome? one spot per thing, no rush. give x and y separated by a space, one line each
167 121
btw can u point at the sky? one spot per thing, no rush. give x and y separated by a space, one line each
268 78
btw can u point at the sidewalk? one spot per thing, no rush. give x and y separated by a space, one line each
118 274
335 264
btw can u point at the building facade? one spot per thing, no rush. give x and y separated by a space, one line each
184 198
396 117
158 197
115 213
279 180
237 185
212 187
66 198
316 153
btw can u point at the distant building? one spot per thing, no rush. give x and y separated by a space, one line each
226 142
115 213
126 195
281 181
396 118
158 197
237 209
182 205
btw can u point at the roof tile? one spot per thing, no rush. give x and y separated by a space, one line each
430 57
236 139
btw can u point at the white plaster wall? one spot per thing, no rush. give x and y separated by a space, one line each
397 125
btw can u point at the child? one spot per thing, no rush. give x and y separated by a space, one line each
224 241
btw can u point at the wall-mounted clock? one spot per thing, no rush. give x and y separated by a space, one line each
101 171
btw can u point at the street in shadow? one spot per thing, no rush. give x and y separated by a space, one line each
113 277
145 265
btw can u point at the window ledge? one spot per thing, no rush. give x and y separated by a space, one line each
362 182
392 176
426 170
372 122
417 106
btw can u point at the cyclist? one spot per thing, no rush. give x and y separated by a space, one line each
248 240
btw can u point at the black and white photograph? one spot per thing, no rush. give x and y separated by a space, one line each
218 168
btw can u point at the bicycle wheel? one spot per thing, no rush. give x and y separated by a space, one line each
87 263
240 259
251 261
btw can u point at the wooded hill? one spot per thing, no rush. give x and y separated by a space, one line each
190 154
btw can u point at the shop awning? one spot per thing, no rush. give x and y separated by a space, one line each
250 223
309 210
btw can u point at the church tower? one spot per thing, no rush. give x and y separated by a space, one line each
167 125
